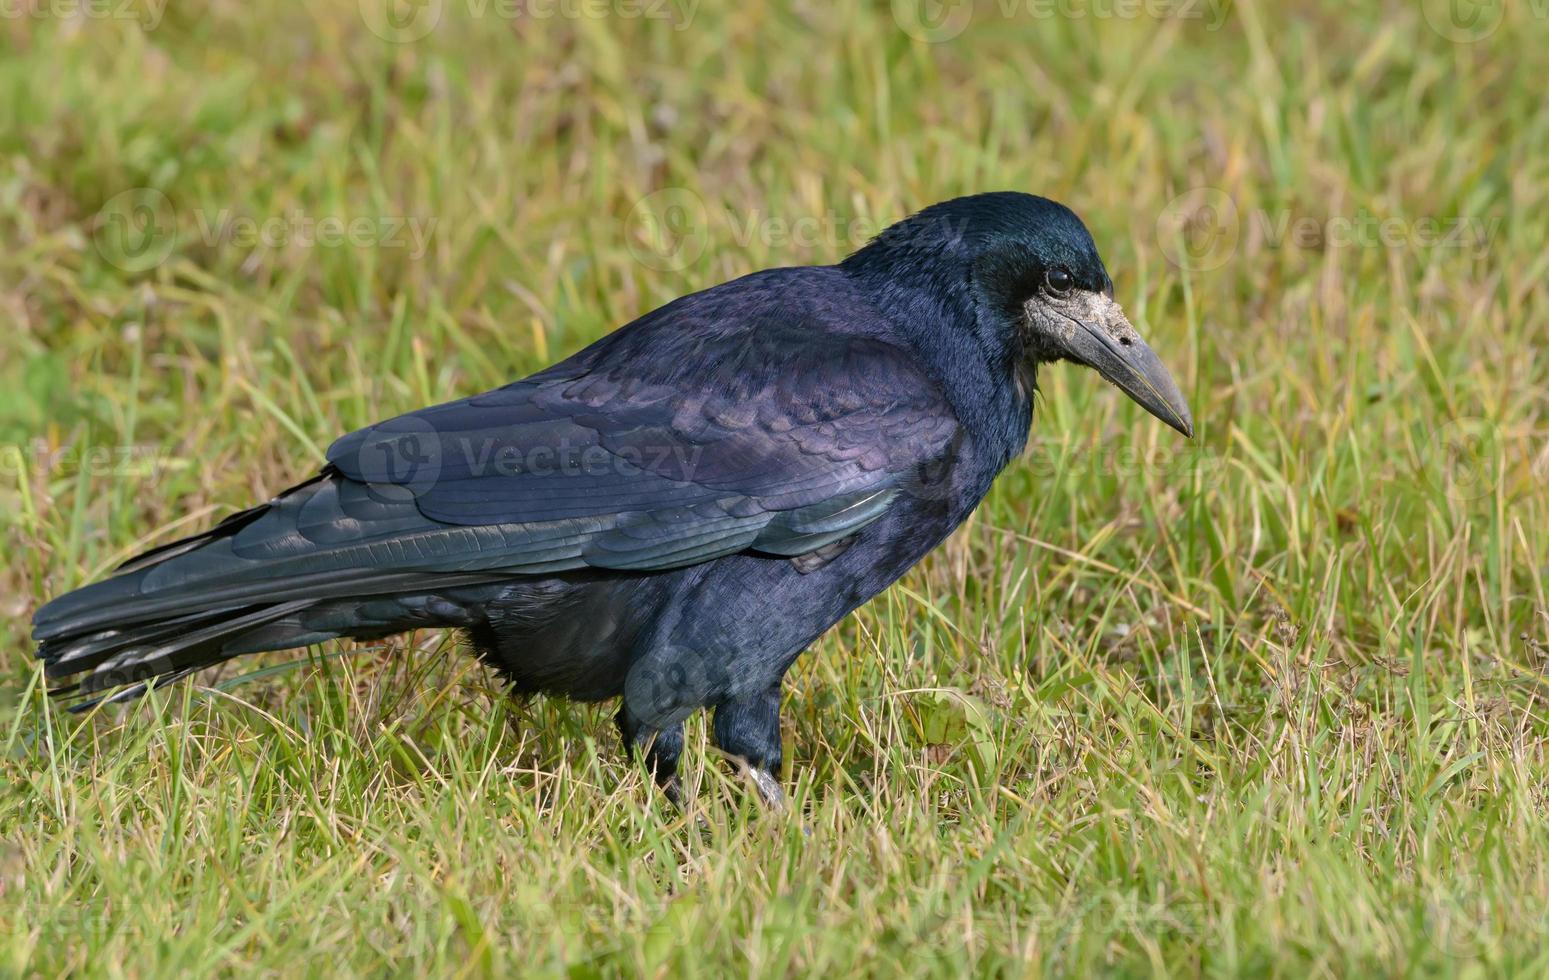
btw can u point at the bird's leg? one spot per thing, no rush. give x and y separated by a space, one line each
748 729
661 747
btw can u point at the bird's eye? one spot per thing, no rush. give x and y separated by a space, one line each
1059 281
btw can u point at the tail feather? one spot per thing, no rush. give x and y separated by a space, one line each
158 651
145 659
63 658
321 561
127 694
121 602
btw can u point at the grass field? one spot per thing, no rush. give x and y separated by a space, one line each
1268 703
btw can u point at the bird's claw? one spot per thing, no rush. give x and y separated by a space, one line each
768 788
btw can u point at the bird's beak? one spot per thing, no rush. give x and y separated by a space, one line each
1102 338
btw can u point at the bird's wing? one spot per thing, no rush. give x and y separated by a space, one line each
669 443
661 446
655 450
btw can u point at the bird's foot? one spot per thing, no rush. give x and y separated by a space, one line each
747 728
768 788
771 795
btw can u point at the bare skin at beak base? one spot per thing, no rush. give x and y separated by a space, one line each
1108 343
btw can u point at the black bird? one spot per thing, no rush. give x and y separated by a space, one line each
672 515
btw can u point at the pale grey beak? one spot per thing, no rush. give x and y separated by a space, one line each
1106 342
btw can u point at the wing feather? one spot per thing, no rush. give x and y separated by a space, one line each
699 431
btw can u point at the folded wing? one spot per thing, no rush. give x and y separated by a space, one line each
666 444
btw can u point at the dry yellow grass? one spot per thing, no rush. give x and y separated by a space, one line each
1270 703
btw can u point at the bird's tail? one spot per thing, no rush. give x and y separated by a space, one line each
199 602
159 651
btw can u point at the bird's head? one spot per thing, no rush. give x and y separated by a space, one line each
1037 279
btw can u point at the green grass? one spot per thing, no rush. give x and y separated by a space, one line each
1268 703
